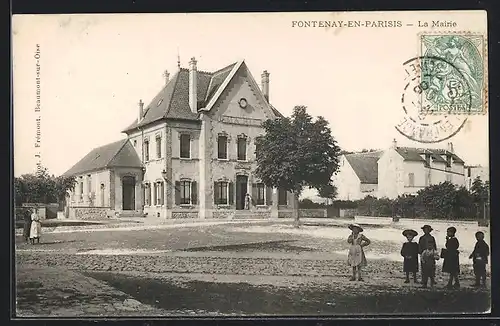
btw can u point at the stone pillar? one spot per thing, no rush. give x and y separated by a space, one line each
274 206
86 190
205 183
169 183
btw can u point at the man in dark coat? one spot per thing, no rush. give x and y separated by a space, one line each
27 224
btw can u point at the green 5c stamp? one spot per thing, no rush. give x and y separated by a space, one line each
453 77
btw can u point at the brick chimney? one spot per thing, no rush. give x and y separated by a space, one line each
265 84
141 110
193 87
450 148
166 74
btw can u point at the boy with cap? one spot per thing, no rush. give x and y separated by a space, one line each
425 241
480 258
410 253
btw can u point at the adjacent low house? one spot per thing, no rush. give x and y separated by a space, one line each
108 179
357 176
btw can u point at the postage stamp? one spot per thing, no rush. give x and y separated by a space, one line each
453 77
418 124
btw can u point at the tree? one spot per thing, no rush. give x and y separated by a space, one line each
438 200
480 192
297 152
328 191
42 188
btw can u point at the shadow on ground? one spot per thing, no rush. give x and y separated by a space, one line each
248 299
270 246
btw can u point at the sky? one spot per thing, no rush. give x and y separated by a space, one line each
94 69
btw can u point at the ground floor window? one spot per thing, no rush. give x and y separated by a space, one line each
282 197
147 194
159 193
186 192
221 193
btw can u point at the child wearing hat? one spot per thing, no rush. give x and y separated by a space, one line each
480 259
356 257
425 240
410 253
451 263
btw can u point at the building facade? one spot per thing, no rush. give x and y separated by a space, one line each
397 171
194 150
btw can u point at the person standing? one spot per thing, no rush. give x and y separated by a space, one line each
356 257
248 201
410 253
36 227
428 261
451 263
425 240
480 259
27 224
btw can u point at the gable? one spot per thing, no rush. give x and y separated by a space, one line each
365 166
242 85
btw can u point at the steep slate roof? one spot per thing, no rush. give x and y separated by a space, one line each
414 154
365 166
117 154
172 102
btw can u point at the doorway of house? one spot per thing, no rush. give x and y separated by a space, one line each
241 191
128 186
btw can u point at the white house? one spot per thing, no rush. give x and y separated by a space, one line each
357 176
406 170
397 171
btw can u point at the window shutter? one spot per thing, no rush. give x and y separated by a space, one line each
231 193
269 196
177 192
216 193
194 193
163 193
254 193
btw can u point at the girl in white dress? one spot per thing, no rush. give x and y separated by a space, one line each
36 227
356 257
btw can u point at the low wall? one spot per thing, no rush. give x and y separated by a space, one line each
184 215
313 212
416 221
89 213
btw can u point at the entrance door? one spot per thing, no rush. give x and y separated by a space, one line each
241 191
128 186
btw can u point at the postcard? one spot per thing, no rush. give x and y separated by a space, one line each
241 164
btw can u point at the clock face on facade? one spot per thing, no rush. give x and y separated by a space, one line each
243 103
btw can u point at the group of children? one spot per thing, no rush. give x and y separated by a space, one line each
427 249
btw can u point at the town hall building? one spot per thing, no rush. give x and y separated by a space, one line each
190 153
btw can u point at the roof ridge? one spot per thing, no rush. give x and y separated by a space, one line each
177 76
125 141
225 68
